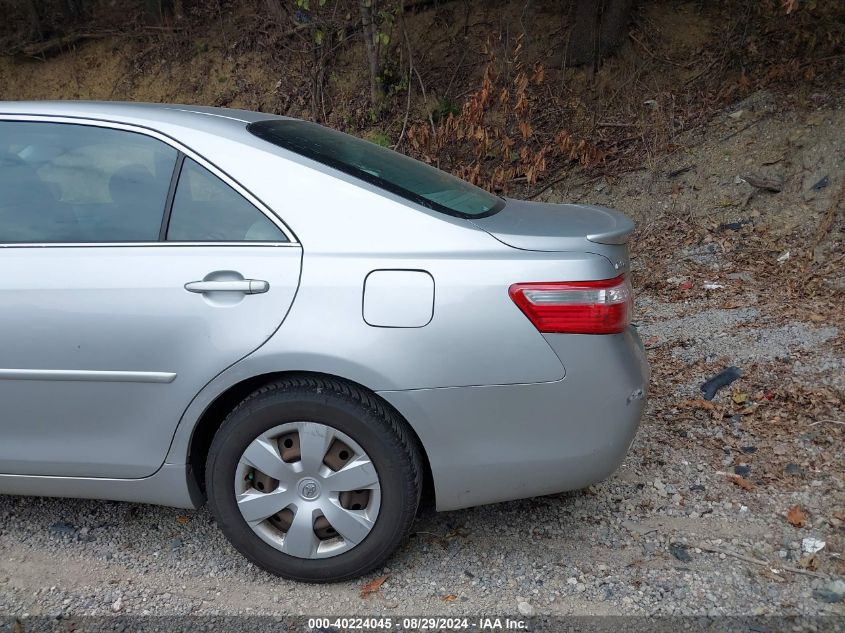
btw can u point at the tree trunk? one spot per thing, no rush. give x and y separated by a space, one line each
275 10
155 10
35 21
152 11
583 38
599 29
370 34
72 10
614 20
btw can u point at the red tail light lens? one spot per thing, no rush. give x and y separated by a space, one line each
576 307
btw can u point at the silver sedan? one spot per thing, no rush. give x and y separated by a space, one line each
302 328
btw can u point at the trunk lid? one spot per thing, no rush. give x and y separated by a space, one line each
538 226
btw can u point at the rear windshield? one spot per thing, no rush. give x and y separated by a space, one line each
380 166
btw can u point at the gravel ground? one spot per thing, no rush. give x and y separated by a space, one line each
663 535
674 531
616 548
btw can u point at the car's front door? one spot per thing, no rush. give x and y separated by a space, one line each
130 275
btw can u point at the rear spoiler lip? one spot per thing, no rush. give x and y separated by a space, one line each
619 234
538 226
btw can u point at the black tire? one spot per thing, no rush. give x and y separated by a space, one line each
361 415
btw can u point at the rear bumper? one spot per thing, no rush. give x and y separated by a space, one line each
496 443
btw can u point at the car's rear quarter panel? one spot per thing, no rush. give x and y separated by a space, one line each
508 442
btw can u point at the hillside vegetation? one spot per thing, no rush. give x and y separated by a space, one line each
481 88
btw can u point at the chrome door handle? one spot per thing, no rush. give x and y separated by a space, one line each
246 286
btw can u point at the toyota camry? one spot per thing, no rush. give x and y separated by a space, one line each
301 328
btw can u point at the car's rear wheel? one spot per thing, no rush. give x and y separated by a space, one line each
314 479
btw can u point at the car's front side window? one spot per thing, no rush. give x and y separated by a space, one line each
206 209
74 183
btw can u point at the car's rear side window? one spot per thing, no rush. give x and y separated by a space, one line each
379 166
206 209
73 183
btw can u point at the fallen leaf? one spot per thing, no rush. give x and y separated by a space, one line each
742 482
739 397
698 404
450 598
686 285
373 586
182 519
809 562
796 516
840 514
458 531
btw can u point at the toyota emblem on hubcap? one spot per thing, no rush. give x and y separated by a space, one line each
309 489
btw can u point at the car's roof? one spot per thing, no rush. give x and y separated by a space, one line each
187 116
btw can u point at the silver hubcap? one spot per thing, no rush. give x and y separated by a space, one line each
308 490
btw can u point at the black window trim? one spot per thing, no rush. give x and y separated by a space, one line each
171 195
181 149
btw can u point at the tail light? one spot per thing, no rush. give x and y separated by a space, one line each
576 307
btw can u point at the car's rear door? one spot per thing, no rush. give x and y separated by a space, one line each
130 275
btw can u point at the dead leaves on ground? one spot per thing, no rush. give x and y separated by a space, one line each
810 562
699 403
796 516
788 425
373 586
742 482
739 405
